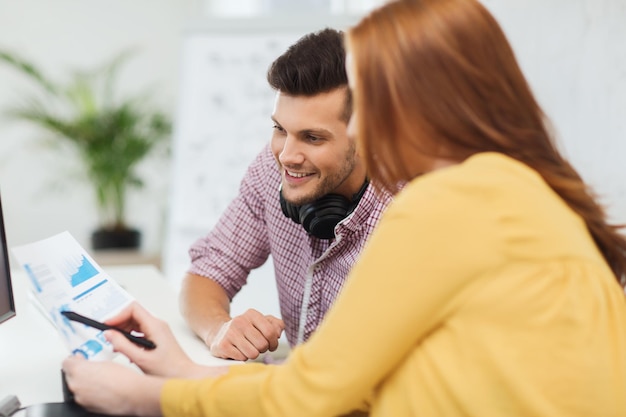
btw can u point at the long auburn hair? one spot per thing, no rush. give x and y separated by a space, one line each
438 77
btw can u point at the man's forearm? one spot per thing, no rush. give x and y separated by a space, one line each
204 305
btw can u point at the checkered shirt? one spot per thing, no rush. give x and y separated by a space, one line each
253 227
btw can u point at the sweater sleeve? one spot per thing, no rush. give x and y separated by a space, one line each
414 271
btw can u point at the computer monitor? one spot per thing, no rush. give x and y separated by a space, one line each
7 303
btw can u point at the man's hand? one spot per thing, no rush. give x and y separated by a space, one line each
206 307
247 336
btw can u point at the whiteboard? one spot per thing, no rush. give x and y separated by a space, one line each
223 121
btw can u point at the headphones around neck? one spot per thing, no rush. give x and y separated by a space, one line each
320 217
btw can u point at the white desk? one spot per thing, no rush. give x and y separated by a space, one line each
31 351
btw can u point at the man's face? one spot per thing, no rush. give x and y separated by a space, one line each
312 148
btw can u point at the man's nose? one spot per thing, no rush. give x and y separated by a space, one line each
292 152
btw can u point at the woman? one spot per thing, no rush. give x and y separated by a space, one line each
492 286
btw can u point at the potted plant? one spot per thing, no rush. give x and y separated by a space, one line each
110 135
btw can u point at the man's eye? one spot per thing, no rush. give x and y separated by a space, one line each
312 138
278 128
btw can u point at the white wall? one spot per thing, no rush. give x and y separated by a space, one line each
574 55
38 198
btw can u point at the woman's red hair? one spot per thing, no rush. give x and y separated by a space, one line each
439 78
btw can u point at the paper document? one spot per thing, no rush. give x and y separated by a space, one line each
64 277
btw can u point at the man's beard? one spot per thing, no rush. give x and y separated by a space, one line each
329 184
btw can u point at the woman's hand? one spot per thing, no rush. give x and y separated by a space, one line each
111 388
167 360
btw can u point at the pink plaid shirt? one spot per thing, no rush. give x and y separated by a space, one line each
253 227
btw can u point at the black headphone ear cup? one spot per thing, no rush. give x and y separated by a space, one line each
289 210
320 217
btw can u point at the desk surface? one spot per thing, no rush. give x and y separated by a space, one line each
31 351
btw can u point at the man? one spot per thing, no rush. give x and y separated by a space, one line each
305 201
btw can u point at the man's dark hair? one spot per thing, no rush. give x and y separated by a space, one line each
314 64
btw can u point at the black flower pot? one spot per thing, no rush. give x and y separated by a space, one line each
116 239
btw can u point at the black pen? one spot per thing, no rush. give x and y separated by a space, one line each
141 341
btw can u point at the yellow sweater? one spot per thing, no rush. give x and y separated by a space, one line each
480 294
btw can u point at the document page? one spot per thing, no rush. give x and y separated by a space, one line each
63 277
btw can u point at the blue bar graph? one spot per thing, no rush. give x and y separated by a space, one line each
85 271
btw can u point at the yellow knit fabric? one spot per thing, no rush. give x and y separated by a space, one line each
480 294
